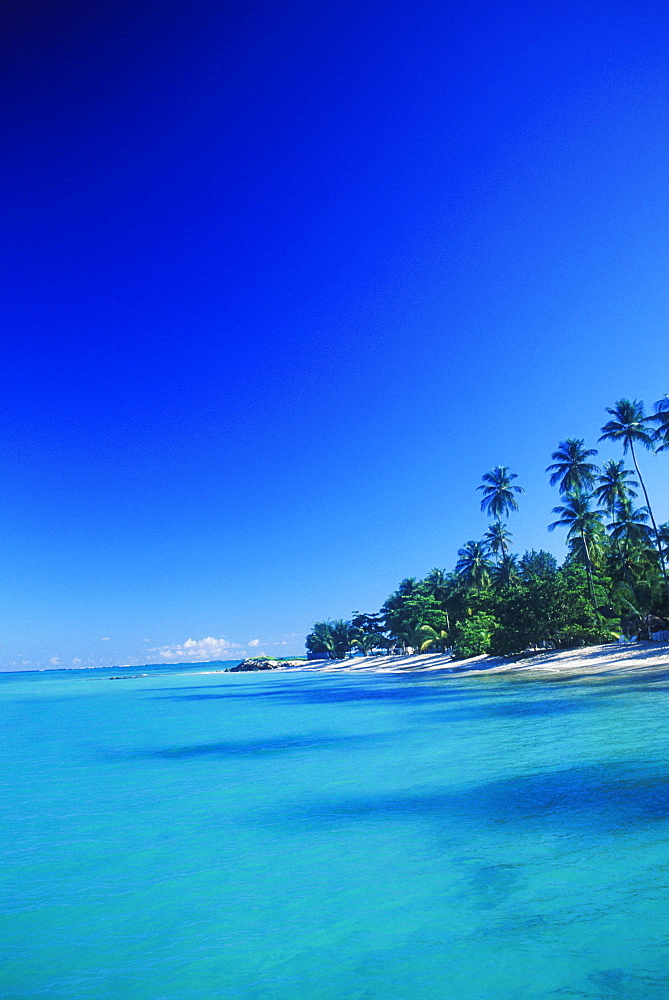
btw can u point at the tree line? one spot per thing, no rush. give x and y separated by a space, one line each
613 580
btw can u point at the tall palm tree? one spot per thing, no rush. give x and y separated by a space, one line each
497 538
499 496
571 471
630 425
473 566
577 515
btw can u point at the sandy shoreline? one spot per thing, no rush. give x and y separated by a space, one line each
618 658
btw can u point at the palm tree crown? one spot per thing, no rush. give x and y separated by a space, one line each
661 418
629 424
473 565
630 524
571 469
583 526
615 485
576 514
498 492
498 538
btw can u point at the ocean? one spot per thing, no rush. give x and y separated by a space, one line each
182 836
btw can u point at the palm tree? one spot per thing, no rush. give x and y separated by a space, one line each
441 585
332 637
630 524
579 518
497 538
571 470
506 572
615 490
473 566
498 496
615 485
432 637
592 544
628 530
437 583
630 425
661 418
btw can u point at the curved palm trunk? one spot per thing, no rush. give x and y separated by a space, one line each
652 521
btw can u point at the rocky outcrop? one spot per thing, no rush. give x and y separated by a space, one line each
254 664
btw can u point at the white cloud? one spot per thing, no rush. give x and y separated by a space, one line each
208 648
105 638
254 642
54 661
76 661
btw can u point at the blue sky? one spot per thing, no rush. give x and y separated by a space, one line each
281 281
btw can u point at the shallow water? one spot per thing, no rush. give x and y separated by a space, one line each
372 837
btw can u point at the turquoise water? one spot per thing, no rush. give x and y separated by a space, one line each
368 837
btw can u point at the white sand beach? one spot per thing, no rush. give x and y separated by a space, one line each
613 657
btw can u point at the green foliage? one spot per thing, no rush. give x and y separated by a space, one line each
472 635
539 565
506 640
473 566
616 564
538 612
572 636
571 471
431 637
410 613
332 637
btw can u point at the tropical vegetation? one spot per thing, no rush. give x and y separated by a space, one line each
613 580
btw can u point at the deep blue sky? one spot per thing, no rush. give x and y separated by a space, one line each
282 280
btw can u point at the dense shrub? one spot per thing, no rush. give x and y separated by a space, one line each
506 640
472 635
572 636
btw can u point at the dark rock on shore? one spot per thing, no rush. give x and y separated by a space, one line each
258 664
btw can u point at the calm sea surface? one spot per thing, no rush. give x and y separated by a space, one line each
287 836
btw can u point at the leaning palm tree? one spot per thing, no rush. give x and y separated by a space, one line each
571 471
473 566
577 515
497 538
498 495
630 425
